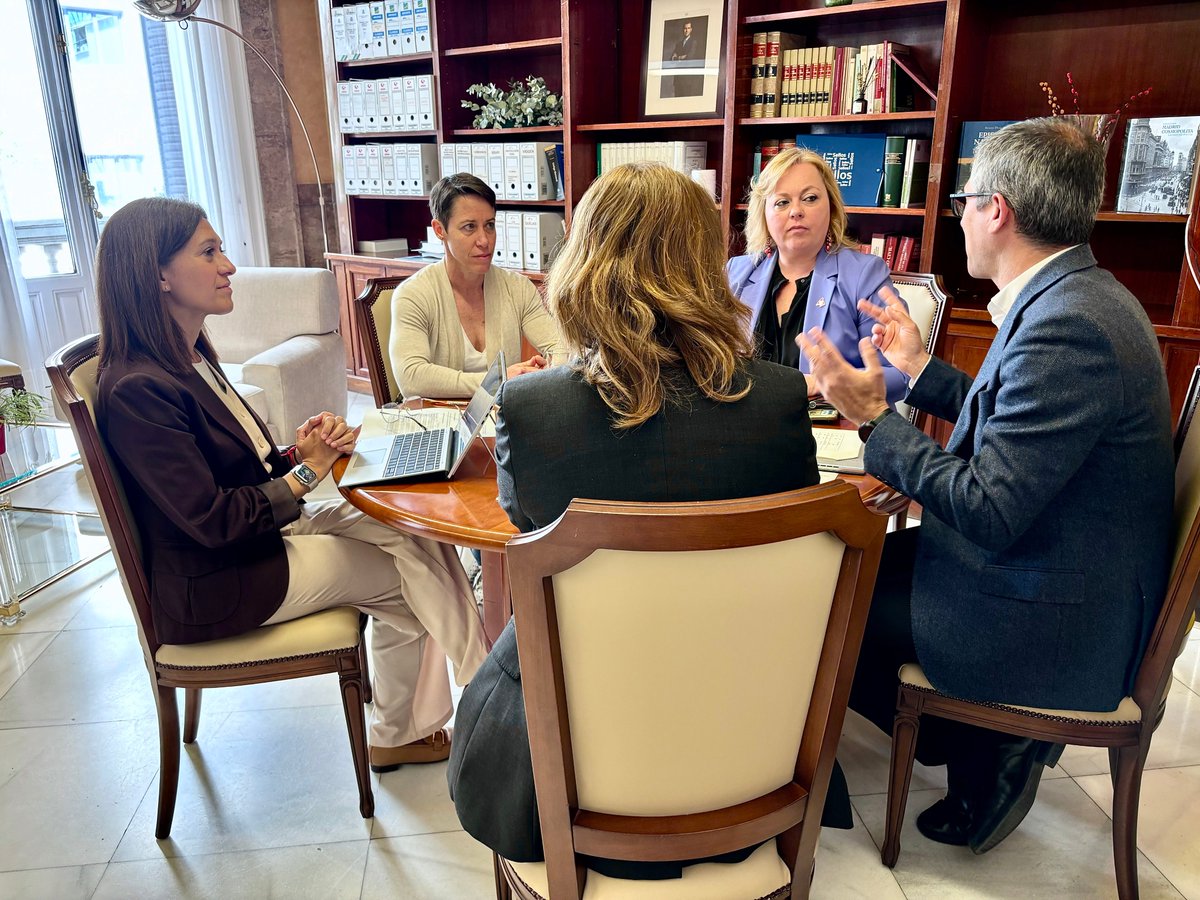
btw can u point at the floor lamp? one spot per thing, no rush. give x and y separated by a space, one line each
184 11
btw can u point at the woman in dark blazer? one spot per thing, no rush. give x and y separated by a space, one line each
802 271
227 539
663 401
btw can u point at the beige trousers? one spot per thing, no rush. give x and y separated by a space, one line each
418 597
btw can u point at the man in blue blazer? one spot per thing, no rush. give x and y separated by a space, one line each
1043 552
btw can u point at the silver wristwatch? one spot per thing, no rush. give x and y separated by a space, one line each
306 476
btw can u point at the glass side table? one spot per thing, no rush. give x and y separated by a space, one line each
39 546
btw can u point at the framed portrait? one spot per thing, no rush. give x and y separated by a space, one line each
684 60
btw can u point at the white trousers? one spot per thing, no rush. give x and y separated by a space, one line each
418 597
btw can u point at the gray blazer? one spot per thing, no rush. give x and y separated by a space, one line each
1045 538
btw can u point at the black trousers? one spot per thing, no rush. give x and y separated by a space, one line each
968 751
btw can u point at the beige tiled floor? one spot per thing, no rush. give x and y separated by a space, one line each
267 805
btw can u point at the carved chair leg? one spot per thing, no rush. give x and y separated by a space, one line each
503 890
365 658
350 677
904 748
1127 781
191 714
168 754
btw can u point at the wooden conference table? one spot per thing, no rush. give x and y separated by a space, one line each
465 512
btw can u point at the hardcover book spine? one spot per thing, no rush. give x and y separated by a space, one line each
893 170
889 250
904 254
771 77
758 68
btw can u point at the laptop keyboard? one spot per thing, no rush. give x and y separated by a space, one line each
413 453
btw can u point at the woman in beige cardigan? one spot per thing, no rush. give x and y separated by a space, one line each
451 319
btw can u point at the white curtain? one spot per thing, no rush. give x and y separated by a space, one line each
212 94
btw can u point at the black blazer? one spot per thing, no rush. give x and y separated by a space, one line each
208 513
554 443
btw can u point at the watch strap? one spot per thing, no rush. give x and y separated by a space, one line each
865 429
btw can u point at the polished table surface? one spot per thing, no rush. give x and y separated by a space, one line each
465 511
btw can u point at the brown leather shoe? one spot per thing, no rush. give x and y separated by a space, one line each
430 749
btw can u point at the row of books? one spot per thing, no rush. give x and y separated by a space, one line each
386 104
682 156
530 170
901 252
401 170
890 171
380 29
789 80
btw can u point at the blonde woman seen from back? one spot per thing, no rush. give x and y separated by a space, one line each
800 269
663 401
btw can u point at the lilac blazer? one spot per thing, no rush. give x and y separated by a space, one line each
839 281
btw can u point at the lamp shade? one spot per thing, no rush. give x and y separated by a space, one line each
167 10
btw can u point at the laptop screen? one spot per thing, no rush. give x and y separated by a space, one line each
480 406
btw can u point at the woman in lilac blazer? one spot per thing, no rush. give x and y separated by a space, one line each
801 266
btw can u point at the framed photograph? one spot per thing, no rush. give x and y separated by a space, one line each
684 59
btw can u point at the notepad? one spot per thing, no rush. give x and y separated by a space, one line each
839 450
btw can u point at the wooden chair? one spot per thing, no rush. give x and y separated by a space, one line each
373 318
1126 731
929 306
686 669
325 642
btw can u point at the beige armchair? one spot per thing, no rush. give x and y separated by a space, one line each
280 347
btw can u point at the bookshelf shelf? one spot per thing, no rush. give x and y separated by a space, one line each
652 126
1108 215
510 47
877 10
556 204
499 133
372 135
424 198
816 120
864 210
389 61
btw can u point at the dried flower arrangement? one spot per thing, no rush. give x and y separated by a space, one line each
1100 127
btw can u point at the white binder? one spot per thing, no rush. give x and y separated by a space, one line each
408 42
349 170
364 30
512 171
411 110
362 169
391 24
462 158
383 93
541 233
345 115
495 168
341 49
399 107
448 166
374 170
536 181
425 120
421 26
378 30
370 105
387 170
358 114
479 161
515 251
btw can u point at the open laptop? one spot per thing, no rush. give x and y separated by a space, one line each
419 451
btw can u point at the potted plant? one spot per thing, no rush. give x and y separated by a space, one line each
525 104
19 408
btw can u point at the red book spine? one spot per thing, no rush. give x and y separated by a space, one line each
889 251
904 255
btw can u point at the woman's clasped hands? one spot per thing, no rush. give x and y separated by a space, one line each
323 438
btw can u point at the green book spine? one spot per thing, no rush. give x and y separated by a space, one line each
893 170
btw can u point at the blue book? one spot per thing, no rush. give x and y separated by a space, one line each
972 134
856 160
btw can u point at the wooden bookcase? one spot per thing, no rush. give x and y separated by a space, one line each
987 58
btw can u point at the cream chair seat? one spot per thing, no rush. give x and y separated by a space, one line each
763 875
